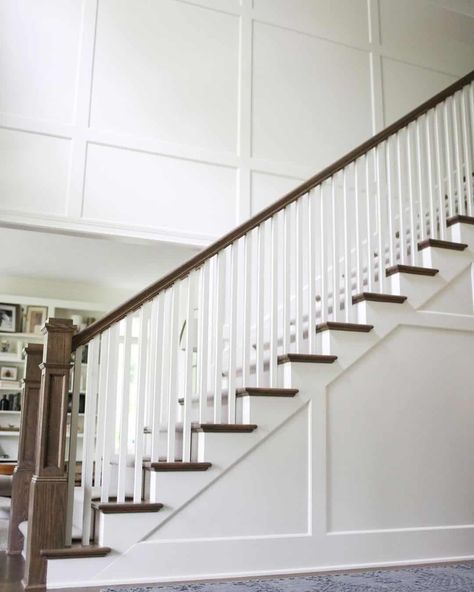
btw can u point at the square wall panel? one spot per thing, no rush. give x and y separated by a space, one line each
339 20
39 44
139 189
268 188
311 98
33 172
428 35
406 86
167 70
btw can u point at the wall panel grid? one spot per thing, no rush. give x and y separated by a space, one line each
228 103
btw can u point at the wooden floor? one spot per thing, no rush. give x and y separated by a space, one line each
11 572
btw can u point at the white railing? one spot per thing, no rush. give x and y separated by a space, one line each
178 359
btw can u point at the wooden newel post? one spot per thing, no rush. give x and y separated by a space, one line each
27 446
48 492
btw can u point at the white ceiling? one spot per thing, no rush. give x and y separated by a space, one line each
111 263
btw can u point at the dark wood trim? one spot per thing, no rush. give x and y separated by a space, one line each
126 507
460 219
336 326
75 552
177 466
441 244
134 303
375 297
26 448
411 269
266 392
307 358
224 428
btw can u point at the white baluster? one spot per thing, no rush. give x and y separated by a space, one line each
468 162
110 427
311 272
124 411
260 305
347 248
90 415
421 176
323 255
172 373
357 225
449 155
299 255
143 338
458 172
274 301
233 330
247 320
98 460
157 336
287 279
390 199
431 181
401 205
188 373
411 197
440 174
335 251
203 340
219 306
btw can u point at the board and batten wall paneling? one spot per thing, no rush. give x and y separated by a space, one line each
176 119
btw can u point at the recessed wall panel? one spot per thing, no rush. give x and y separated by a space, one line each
311 98
406 86
340 20
135 188
426 34
267 189
167 70
33 172
38 57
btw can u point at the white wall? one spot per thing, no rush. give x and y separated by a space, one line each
175 119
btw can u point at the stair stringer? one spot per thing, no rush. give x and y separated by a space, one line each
177 551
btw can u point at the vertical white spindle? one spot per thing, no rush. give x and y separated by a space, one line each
172 373
98 460
233 330
125 409
431 182
458 171
449 155
370 271
274 301
311 272
411 197
347 248
335 251
390 213
188 373
247 316
71 469
323 256
203 339
421 176
110 411
287 279
378 156
157 335
260 305
219 305
357 223
440 175
299 204
401 205
90 415
468 162
143 335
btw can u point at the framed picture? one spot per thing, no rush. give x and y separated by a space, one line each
8 373
35 318
9 318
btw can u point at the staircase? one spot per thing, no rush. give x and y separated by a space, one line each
297 397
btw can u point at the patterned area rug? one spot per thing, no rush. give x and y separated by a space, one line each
449 578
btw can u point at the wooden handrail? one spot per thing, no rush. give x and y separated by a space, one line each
195 262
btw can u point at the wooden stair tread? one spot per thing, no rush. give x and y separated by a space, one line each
411 269
126 507
441 244
377 297
266 392
224 428
306 358
336 326
177 466
75 552
460 218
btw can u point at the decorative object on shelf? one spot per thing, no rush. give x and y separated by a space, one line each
35 318
5 404
4 346
8 373
9 317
